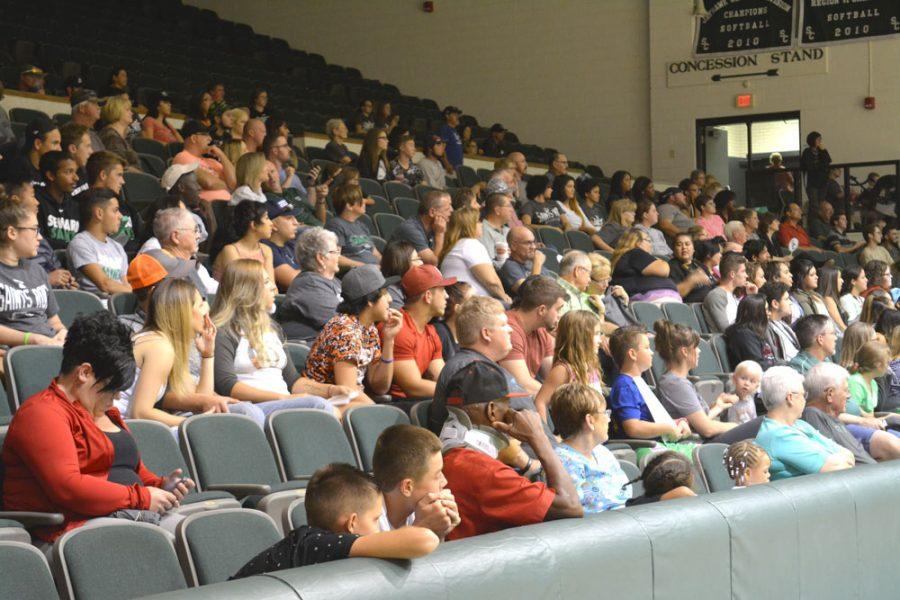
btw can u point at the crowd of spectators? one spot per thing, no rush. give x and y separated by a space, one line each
531 353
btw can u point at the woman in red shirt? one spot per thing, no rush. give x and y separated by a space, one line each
69 451
155 125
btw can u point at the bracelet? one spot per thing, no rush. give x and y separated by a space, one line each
387 361
207 357
25 339
526 468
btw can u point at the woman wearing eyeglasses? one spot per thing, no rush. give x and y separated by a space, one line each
30 313
580 415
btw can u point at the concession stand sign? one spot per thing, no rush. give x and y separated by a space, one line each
836 21
745 26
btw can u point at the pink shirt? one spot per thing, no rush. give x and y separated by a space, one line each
211 166
162 132
713 225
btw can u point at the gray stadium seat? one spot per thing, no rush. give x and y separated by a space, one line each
142 145
396 189
76 302
29 370
418 414
230 453
708 459
647 314
681 313
142 189
467 176
116 560
160 453
708 366
123 303
370 187
298 353
632 472
295 515
363 425
380 206
579 240
214 545
386 224
553 238
718 344
406 207
24 573
305 440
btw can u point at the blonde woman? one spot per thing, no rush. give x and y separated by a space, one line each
251 363
464 256
117 115
238 117
250 224
621 217
615 298
234 150
250 172
177 336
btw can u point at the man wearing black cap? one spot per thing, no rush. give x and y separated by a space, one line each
215 175
284 231
73 84
451 137
432 164
495 145
673 213
490 494
86 111
31 79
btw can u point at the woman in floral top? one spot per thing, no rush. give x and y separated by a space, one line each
348 351
403 169
580 416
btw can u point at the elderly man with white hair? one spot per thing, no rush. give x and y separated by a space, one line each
793 445
736 234
575 277
826 400
179 235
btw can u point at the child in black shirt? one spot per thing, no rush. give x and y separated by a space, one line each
343 507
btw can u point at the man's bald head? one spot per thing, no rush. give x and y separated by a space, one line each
254 134
521 243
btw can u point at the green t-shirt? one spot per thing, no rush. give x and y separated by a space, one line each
866 396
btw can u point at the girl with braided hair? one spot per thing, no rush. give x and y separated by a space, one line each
747 464
667 476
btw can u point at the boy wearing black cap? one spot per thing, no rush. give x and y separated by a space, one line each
490 494
495 145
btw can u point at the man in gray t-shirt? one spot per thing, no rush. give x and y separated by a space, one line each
26 300
354 239
85 249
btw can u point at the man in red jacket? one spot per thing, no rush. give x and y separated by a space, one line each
57 459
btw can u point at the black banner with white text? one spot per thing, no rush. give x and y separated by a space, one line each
836 21
745 26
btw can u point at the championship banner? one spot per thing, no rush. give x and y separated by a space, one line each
745 26
836 21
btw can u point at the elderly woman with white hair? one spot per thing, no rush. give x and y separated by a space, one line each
793 445
315 293
336 150
827 391
736 236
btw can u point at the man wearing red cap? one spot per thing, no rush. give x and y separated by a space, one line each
418 358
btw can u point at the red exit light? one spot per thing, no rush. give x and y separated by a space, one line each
743 100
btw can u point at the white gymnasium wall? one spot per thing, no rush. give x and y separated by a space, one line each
829 102
567 74
585 76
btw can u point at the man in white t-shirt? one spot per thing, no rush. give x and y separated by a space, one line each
720 305
407 465
99 262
